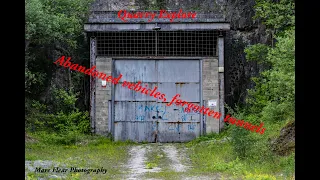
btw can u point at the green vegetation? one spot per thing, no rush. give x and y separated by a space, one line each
150 165
55 28
271 101
89 151
155 158
237 153
56 103
219 156
65 126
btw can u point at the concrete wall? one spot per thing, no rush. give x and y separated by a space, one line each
103 95
210 88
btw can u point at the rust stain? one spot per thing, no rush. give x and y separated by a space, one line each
178 122
181 84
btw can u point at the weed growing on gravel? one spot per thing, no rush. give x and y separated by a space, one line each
150 165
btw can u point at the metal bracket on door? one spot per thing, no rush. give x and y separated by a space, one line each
158 117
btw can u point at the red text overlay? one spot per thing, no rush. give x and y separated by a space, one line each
158 95
124 15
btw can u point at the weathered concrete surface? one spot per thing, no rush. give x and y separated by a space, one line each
244 31
103 95
149 27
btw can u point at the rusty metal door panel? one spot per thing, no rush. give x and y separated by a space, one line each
179 77
124 111
168 132
189 131
132 115
140 111
144 97
138 131
177 131
135 121
189 92
136 70
178 71
178 125
192 116
126 94
140 117
162 112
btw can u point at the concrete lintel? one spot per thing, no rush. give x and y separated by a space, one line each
148 27
157 57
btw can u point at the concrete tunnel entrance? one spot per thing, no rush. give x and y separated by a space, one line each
185 58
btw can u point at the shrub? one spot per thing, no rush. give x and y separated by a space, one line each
274 112
64 119
65 138
74 121
62 122
241 140
62 100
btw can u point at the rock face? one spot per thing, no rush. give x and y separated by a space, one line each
244 31
285 143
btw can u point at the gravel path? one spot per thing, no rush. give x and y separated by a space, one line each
137 161
30 166
175 157
172 158
137 166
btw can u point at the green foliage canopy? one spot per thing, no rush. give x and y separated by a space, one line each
274 90
48 21
52 28
276 14
272 99
276 87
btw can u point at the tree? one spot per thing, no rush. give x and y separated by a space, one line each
50 21
274 90
272 98
52 28
278 15
273 95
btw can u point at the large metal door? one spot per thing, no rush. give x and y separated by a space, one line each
140 117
